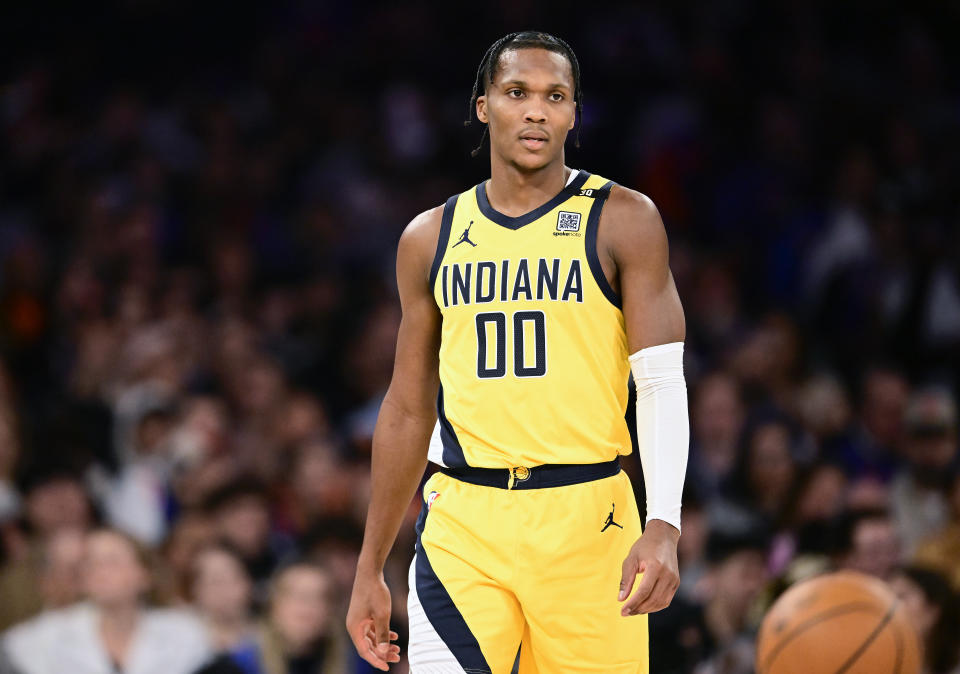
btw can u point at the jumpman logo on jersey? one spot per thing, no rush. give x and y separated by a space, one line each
465 237
610 522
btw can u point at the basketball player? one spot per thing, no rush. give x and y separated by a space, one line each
512 363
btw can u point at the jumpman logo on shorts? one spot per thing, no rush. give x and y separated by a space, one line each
465 237
610 521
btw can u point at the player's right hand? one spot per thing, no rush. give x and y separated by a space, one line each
368 621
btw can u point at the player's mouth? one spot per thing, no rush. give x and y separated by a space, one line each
533 141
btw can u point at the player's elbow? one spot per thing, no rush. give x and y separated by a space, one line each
408 411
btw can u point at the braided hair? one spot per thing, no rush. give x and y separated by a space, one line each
527 39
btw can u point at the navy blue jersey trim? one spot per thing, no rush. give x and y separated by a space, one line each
516 223
442 613
599 198
446 222
452 451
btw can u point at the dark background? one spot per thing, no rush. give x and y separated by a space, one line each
199 208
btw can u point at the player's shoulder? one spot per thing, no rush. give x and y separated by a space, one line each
424 225
420 235
624 202
418 243
630 222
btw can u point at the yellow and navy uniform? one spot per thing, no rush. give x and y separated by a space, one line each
523 531
533 353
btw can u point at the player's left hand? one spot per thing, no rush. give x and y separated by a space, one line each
655 556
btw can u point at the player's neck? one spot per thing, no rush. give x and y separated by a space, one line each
514 192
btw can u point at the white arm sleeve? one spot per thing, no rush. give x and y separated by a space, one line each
663 427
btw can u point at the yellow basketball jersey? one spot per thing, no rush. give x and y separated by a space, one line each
533 357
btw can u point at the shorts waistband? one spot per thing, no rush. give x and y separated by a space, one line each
536 477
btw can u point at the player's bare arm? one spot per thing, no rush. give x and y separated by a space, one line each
400 439
632 247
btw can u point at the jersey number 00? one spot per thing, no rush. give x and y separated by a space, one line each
498 321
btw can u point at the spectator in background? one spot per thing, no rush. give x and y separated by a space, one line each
369 360
868 542
54 501
933 608
717 422
919 491
942 551
45 581
54 498
302 419
713 631
766 359
824 409
201 434
201 451
844 249
60 569
736 576
691 548
192 532
240 513
9 455
260 390
222 594
764 480
137 499
113 631
871 453
820 496
319 485
334 544
299 635
803 547
717 316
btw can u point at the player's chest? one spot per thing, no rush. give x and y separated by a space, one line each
543 261
474 238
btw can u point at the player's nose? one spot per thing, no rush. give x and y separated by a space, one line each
535 114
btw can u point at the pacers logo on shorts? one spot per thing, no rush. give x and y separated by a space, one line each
433 496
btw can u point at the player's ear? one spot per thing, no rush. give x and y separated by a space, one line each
482 108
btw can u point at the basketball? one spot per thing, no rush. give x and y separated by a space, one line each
839 622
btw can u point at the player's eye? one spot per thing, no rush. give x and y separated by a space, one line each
515 93
556 96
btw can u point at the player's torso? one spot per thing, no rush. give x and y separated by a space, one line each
533 357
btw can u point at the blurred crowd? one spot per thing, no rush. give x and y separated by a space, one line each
199 208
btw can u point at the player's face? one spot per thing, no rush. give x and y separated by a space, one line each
529 107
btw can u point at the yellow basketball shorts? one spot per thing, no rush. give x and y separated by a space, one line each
530 567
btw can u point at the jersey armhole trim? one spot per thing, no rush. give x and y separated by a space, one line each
446 222
593 261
